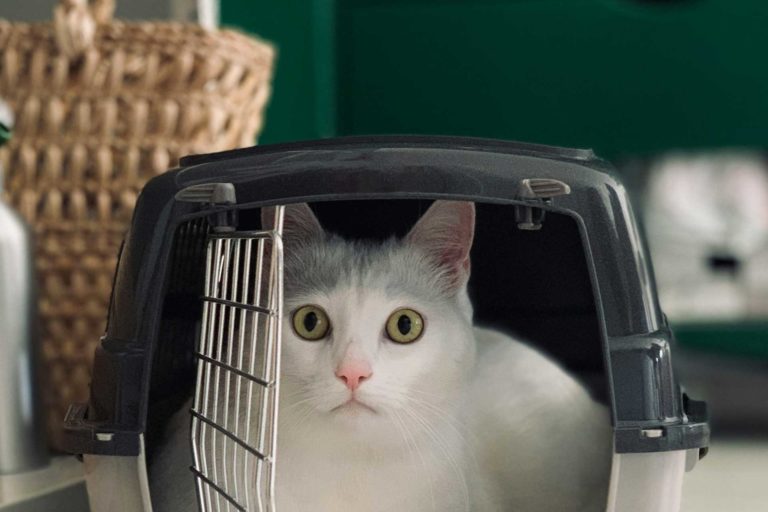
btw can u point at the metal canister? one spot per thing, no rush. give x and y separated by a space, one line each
22 445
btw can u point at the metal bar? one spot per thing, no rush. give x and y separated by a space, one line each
196 431
268 423
263 402
264 399
229 348
243 318
230 435
277 305
217 270
239 305
219 347
218 489
251 366
225 366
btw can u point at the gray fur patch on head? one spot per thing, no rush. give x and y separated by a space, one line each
392 266
431 262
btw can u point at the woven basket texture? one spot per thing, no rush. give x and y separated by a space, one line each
101 107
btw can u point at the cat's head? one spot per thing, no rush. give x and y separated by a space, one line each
374 330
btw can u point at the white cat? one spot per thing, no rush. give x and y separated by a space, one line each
392 401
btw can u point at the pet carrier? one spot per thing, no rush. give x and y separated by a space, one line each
554 225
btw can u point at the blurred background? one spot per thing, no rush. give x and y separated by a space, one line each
673 92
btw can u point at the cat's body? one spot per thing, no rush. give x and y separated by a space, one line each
372 419
545 449
541 439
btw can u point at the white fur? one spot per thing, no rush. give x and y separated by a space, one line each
543 442
463 419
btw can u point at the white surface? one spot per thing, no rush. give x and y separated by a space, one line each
733 477
118 483
646 482
64 471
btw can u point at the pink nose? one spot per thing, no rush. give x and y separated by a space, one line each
352 374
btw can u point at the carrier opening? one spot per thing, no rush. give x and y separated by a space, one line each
534 285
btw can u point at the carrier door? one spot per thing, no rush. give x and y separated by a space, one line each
234 412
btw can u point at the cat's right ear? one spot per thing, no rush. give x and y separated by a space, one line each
445 232
299 222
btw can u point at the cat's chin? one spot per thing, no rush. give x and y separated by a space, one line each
353 408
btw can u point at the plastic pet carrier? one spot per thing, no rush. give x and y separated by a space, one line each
557 250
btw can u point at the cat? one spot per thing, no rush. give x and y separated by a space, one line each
391 400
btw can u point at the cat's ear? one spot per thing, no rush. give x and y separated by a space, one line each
445 233
299 222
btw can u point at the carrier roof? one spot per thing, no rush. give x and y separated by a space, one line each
391 167
404 142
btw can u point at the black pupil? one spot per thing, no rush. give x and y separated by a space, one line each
404 324
311 321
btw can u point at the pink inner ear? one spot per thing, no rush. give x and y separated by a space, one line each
446 232
455 254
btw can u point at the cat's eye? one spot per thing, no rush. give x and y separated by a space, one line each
405 326
311 323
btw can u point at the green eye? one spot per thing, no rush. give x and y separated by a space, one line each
311 323
405 326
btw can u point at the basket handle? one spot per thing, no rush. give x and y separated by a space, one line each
75 22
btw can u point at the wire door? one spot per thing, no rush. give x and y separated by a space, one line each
234 414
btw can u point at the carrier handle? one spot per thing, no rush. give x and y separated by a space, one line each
529 217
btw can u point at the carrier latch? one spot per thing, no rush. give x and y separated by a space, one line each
542 190
214 194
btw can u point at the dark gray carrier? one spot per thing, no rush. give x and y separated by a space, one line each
557 249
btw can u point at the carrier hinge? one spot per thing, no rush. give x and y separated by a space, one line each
217 195
536 190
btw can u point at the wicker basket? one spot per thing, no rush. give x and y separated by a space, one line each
101 107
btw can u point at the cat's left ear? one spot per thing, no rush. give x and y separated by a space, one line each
446 232
299 223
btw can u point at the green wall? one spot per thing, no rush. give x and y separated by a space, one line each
303 94
621 76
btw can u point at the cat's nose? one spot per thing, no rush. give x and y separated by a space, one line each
353 373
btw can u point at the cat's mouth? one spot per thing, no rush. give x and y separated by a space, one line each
353 405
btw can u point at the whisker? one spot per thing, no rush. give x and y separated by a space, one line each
423 461
441 444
